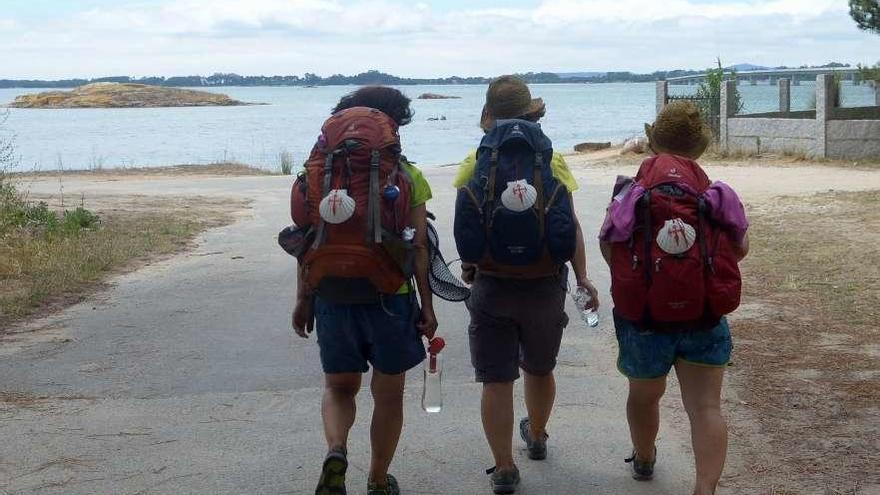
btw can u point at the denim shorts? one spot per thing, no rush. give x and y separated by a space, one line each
645 354
353 336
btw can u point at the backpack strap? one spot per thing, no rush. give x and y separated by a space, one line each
374 215
539 187
648 233
489 197
328 173
701 234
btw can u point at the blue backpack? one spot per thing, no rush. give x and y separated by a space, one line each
514 160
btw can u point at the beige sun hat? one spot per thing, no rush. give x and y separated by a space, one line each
679 129
508 97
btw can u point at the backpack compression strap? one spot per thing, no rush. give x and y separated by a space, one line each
539 187
374 220
328 172
490 186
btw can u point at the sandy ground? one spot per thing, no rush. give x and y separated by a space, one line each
184 377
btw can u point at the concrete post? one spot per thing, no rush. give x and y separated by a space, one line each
728 109
662 95
876 85
824 107
784 95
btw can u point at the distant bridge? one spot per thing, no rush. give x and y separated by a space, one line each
773 75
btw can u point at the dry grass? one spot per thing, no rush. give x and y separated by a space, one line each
808 363
41 272
613 159
222 169
792 158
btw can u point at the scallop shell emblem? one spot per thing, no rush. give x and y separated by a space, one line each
519 196
337 206
676 236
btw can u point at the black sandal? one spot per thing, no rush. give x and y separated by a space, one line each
642 470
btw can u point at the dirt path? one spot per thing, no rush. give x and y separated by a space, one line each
183 377
802 392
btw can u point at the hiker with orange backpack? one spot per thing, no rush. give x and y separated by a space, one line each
673 240
515 229
360 237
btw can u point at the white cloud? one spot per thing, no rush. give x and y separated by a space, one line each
562 12
411 38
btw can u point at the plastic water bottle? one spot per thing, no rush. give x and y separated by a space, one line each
582 299
432 393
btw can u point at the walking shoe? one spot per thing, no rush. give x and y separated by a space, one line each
332 481
390 487
504 482
642 470
537 448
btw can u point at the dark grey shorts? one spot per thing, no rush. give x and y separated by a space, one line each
515 323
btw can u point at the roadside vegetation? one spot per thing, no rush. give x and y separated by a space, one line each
285 162
51 256
869 73
224 169
807 364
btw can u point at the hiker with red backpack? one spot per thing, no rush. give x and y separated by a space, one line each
360 236
515 230
673 240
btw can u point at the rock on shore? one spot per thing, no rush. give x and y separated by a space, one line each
585 147
435 96
118 95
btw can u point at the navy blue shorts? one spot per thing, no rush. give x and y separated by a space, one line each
384 335
646 354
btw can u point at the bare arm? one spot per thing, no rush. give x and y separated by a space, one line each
303 312
579 263
742 249
428 321
605 247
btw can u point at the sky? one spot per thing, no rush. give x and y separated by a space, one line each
51 39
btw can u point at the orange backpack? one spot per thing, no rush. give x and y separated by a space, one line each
355 194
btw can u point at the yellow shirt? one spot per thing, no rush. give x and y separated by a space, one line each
557 164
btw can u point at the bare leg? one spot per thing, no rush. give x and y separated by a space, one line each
387 422
701 394
643 415
338 407
497 414
540 392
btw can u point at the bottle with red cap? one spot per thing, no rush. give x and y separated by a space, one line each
432 394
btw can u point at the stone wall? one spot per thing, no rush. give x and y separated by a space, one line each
828 132
759 135
853 139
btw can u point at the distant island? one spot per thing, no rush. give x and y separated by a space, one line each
435 96
119 95
371 77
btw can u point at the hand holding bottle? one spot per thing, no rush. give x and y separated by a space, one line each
586 303
432 394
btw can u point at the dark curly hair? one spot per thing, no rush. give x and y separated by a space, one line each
387 100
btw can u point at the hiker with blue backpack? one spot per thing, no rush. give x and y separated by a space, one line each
673 240
360 237
515 230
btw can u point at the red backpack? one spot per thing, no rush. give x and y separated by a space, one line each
678 271
356 196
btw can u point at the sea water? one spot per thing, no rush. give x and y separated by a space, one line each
292 116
